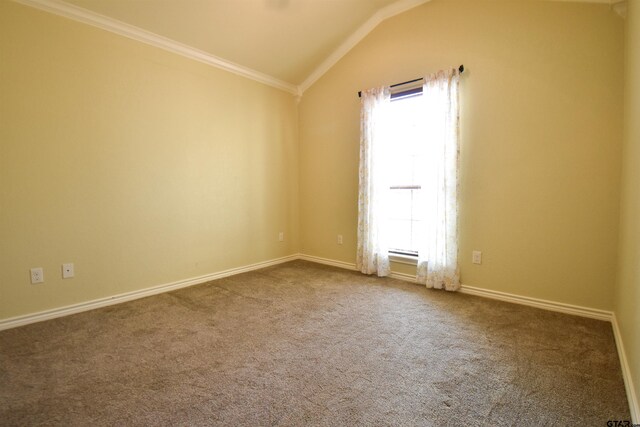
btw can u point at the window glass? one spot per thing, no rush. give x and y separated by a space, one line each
407 156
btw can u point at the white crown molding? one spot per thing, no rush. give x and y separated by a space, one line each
386 13
59 7
14 322
356 37
109 24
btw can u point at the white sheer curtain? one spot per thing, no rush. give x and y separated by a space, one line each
373 252
438 251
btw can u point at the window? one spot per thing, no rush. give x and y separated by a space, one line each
406 156
407 196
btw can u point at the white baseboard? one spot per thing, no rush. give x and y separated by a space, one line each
404 276
634 407
326 261
465 289
14 322
532 302
592 313
560 307
576 310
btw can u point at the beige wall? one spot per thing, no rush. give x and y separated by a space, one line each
143 167
541 140
627 302
140 166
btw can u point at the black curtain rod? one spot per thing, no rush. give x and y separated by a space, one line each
460 68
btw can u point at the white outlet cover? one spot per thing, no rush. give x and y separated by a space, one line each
67 270
477 257
37 275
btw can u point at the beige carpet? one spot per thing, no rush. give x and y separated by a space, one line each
304 344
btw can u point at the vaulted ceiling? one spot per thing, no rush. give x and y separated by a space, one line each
285 43
285 39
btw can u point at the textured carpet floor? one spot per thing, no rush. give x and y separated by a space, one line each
305 344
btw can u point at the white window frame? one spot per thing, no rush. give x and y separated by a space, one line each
404 258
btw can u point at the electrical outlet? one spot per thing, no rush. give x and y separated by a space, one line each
476 257
67 270
37 275
339 239
281 236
